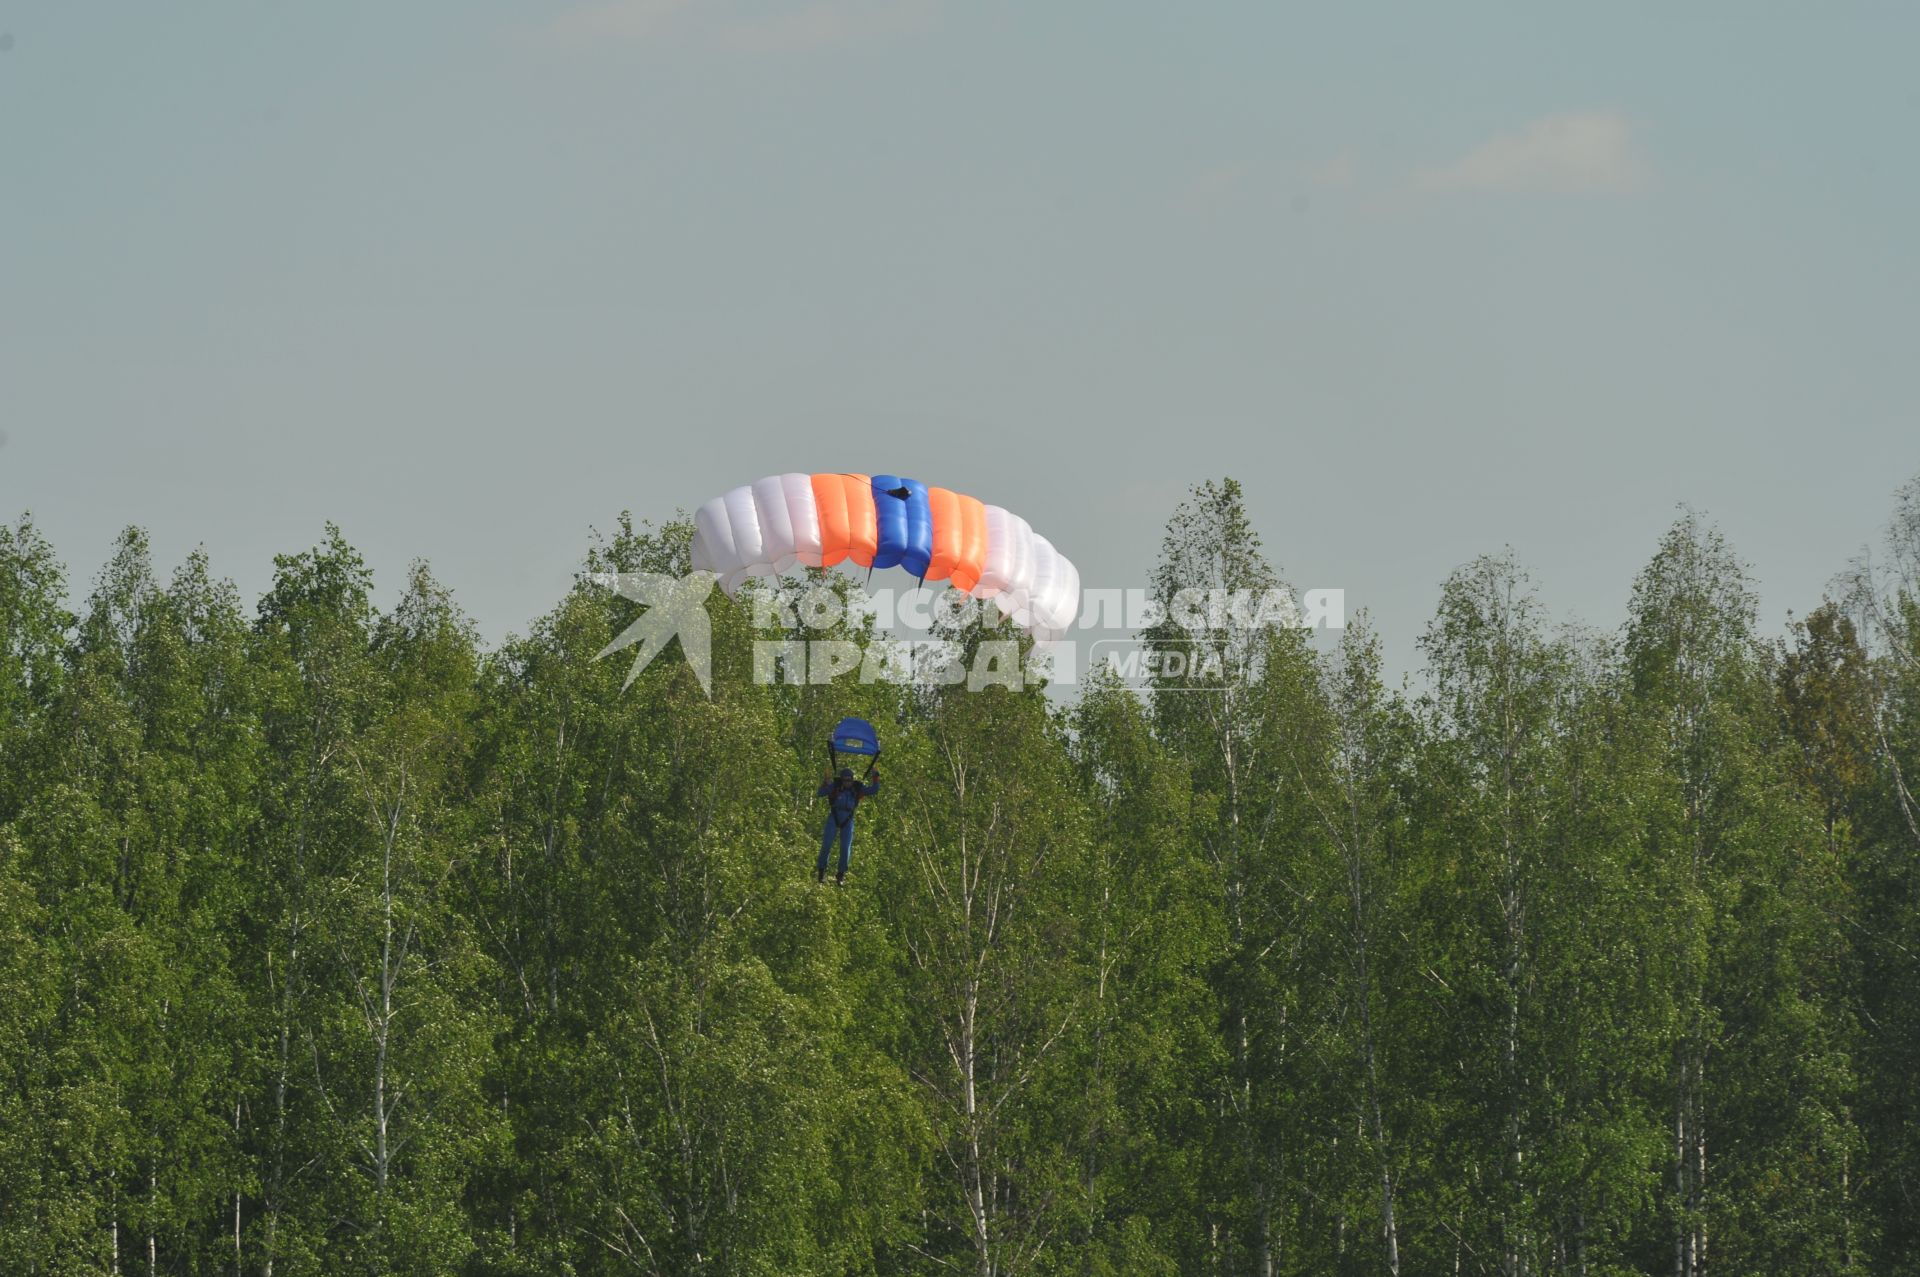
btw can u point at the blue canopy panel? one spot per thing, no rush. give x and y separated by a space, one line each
855 736
905 522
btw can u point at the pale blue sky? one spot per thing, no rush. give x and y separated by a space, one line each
467 278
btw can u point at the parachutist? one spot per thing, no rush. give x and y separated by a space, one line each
843 793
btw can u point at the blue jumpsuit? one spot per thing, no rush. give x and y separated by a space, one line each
846 796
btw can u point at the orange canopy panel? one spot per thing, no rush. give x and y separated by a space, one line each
970 560
945 508
849 527
959 538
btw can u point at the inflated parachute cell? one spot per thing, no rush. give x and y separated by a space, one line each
881 521
855 736
905 523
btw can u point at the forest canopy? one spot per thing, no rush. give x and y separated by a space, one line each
334 940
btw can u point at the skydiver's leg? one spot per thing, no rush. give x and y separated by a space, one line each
846 849
826 846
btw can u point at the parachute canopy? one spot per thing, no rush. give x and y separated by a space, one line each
769 526
855 736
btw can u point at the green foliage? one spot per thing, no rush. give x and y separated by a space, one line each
332 942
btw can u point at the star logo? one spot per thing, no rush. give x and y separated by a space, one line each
676 608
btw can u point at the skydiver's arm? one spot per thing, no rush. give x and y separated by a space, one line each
871 788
